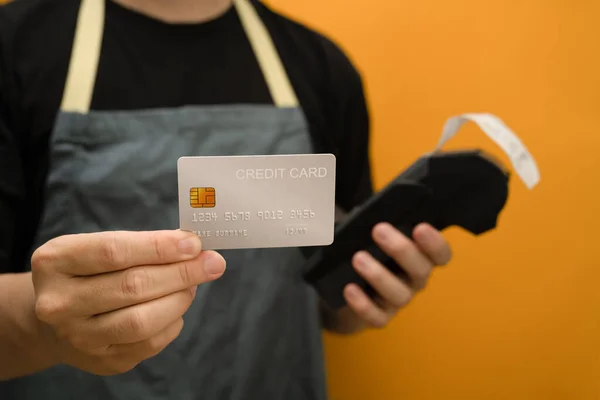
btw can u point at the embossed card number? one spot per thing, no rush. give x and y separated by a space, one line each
235 202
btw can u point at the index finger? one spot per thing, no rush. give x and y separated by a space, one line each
96 253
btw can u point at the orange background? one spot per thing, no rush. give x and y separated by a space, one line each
517 313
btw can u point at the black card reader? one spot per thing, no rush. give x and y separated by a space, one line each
467 189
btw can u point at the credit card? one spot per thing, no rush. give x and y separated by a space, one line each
240 202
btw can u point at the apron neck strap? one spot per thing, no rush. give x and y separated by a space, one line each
270 63
87 45
83 67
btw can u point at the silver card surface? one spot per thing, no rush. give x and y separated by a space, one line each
237 202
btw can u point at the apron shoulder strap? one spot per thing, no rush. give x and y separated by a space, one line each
270 63
87 45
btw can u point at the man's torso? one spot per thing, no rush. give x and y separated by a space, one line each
144 65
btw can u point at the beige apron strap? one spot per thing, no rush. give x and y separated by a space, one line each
272 68
79 86
87 44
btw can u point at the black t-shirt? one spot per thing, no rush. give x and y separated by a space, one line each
145 64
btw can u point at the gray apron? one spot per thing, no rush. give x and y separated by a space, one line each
255 333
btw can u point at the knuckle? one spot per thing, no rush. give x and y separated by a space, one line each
49 307
44 256
136 282
377 275
422 275
401 247
156 344
400 299
363 308
404 299
136 323
184 273
157 247
113 250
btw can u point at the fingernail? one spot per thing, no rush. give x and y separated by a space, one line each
190 246
214 264
352 291
193 290
424 233
362 261
382 232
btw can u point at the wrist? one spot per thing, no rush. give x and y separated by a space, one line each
28 343
39 337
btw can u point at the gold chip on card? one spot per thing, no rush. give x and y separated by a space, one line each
202 197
